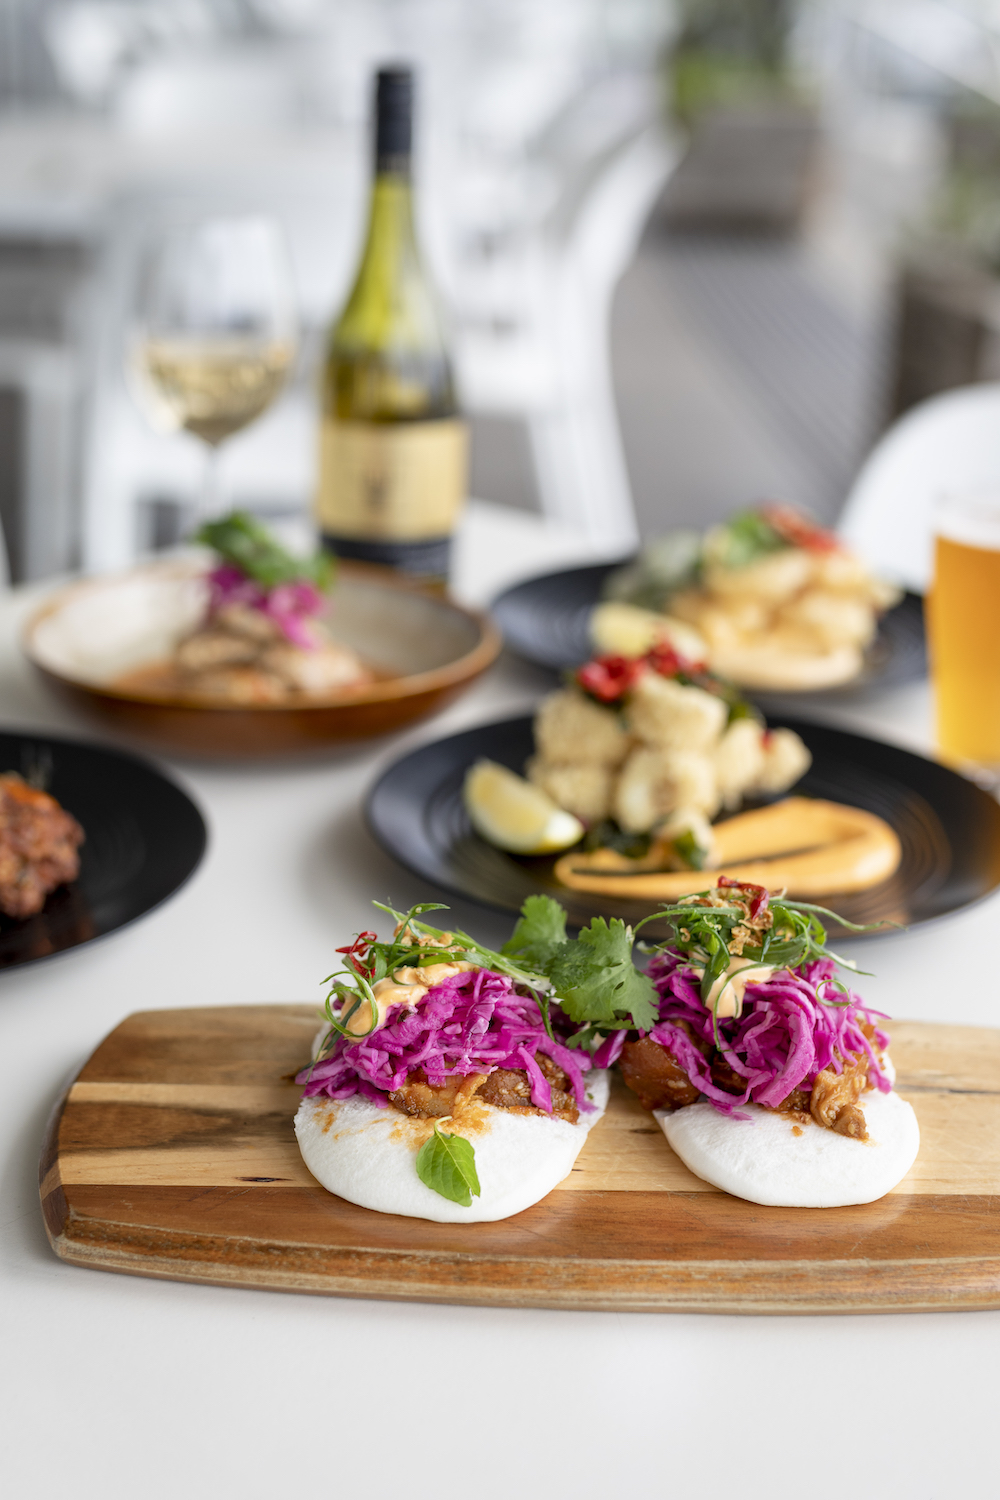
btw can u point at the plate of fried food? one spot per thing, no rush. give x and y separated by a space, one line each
642 776
242 649
771 601
90 840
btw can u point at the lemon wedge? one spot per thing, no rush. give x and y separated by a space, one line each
509 812
626 630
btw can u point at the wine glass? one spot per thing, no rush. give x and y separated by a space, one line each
215 332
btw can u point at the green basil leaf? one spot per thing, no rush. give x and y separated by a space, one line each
240 539
447 1165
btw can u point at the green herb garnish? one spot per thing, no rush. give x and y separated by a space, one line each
367 960
592 976
742 540
713 927
719 923
607 835
447 1165
249 546
663 567
687 848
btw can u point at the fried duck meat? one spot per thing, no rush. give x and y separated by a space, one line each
505 1088
38 847
834 1099
653 1074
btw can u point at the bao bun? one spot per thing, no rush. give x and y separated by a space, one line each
367 1153
764 1160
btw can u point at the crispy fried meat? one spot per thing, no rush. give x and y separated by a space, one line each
504 1088
834 1100
655 1075
38 847
510 1088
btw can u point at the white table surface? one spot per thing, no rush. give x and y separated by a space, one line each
113 1385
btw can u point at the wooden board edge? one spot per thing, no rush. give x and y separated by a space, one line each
55 1209
775 1288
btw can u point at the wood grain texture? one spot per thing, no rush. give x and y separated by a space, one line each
173 1155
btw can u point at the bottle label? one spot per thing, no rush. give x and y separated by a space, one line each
393 482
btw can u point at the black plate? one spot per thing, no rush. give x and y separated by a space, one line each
949 828
547 620
144 837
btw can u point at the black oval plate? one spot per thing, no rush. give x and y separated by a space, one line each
547 621
144 837
948 827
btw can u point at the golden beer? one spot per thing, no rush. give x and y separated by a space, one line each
963 620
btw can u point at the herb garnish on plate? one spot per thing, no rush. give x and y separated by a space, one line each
245 544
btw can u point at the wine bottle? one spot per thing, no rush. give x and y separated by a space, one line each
393 449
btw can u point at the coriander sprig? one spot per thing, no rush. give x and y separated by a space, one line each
592 976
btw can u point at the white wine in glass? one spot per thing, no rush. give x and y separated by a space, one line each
215 337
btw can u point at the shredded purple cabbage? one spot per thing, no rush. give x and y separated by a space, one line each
289 605
474 1022
610 1049
792 1027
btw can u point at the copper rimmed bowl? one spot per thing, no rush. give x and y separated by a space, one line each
88 636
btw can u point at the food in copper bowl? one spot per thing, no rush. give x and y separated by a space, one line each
261 638
251 651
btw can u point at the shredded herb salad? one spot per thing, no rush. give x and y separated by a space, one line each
257 572
577 1000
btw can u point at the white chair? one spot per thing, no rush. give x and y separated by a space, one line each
946 445
37 509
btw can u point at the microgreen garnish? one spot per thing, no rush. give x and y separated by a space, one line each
593 976
249 546
687 848
734 920
415 944
447 1165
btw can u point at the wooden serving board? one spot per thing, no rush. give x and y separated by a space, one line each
173 1155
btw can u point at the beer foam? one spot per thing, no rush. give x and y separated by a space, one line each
971 518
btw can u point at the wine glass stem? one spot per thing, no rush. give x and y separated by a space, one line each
208 503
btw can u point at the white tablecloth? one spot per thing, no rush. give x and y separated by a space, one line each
113 1385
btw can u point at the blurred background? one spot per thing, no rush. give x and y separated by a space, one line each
693 253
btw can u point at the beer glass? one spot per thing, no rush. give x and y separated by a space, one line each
963 618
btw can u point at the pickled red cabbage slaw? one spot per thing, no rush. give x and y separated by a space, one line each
289 605
793 1025
474 1022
